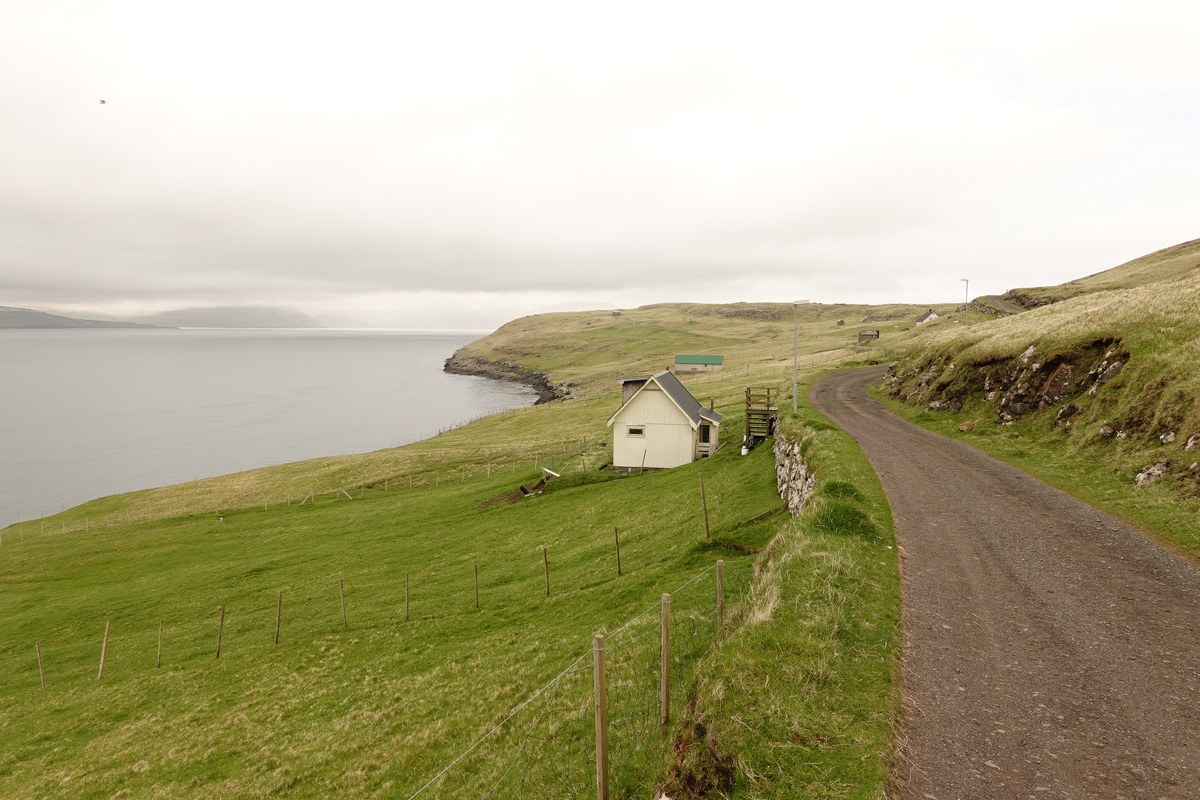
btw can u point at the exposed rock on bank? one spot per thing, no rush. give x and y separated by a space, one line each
794 479
1086 393
462 364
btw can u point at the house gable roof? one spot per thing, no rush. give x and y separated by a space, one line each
679 395
928 315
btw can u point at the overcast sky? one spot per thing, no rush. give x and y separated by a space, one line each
456 164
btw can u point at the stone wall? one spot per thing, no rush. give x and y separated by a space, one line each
793 478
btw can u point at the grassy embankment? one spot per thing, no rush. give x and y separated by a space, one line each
1145 314
380 707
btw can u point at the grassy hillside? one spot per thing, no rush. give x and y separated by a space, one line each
1087 393
377 705
1162 265
586 352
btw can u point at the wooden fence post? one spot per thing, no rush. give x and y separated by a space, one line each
220 631
664 670
278 615
704 505
41 669
601 717
103 650
617 537
342 593
158 658
476 587
546 561
720 594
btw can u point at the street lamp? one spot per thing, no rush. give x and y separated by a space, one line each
966 302
795 347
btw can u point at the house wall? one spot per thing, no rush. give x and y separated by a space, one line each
698 367
669 440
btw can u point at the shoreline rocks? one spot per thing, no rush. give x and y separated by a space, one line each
502 370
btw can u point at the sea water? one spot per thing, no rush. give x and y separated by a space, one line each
89 413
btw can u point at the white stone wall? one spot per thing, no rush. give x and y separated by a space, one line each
792 476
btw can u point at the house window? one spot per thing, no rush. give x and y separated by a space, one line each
635 431
705 434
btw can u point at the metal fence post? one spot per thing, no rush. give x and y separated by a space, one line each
601 718
664 679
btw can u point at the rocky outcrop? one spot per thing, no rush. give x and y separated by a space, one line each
1152 473
1018 386
462 364
794 480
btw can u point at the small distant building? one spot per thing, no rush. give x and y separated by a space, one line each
660 425
699 363
867 336
928 316
616 313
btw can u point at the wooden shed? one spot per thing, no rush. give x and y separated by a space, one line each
699 363
660 425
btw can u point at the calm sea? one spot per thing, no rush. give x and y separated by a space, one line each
85 414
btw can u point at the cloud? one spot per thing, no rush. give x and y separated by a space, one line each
374 152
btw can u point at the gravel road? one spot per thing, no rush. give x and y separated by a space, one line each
1050 650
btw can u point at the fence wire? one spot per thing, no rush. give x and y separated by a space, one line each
546 748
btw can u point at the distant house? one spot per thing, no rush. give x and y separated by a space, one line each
616 313
699 363
928 316
867 336
660 425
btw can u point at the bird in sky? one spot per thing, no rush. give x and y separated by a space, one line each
102 102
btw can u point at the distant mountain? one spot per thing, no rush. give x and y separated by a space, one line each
234 317
28 318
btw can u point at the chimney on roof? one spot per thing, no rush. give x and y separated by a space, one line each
710 404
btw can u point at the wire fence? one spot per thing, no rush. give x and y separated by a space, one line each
546 748
587 455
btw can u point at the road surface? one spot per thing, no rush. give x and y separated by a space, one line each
1050 650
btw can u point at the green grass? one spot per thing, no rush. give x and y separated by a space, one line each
378 709
803 689
373 709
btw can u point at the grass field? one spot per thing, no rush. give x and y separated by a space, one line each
378 705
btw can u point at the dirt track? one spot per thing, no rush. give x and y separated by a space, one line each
1050 650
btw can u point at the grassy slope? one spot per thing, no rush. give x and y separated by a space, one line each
1161 265
1158 391
372 710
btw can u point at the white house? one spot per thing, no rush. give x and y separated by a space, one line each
928 316
660 425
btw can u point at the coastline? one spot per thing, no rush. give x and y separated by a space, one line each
462 364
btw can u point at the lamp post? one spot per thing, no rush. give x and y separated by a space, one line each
795 345
966 302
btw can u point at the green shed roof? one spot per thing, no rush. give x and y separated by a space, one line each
700 359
